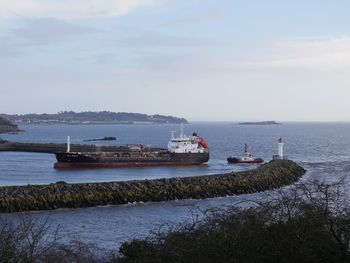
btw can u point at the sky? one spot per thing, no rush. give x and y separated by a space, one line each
204 60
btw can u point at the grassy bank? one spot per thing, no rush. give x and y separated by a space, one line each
307 224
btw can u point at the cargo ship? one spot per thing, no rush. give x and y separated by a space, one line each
181 150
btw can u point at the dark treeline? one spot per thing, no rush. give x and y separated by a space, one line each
306 223
90 116
7 126
6 122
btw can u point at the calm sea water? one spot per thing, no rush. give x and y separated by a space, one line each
322 148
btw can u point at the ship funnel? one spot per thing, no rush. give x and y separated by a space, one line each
68 144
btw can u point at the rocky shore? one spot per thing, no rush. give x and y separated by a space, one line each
272 175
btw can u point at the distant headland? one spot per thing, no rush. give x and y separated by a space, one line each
7 126
90 117
260 123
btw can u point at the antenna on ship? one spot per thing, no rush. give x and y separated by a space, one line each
172 134
68 144
181 130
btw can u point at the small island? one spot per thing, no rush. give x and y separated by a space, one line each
90 117
7 127
260 123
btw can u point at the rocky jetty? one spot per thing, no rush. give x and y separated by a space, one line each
6 146
7 127
272 175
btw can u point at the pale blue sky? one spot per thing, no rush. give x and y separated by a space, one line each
199 59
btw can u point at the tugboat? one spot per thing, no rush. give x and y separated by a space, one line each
247 158
182 150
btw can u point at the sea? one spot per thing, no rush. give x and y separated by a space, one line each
323 149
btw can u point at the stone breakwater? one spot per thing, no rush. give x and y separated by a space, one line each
54 147
272 175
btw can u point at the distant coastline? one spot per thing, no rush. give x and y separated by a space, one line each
260 123
102 117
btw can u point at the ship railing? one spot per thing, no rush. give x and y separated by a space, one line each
130 155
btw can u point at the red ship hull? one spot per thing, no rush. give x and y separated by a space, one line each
67 160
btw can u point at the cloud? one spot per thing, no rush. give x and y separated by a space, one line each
48 30
319 55
34 32
198 18
69 9
155 39
8 49
330 54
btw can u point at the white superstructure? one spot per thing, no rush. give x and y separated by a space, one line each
247 156
186 144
